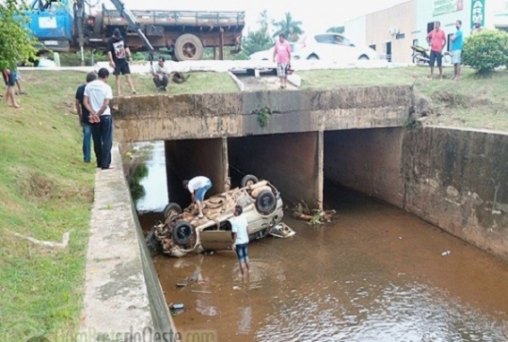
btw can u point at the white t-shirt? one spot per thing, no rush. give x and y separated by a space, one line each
239 226
157 69
97 91
197 182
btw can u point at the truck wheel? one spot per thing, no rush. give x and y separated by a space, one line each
172 209
248 180
182 233
266 202
188 47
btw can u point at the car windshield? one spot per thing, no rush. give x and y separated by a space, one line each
335 39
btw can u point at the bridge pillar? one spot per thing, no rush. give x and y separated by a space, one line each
292 162
201 157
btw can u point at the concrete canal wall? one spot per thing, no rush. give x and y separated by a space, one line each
454 178
458 180
123 299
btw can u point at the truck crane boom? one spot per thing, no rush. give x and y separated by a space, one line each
131 20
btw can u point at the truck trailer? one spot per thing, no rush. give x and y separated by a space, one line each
67 25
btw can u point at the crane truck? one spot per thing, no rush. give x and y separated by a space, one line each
72 25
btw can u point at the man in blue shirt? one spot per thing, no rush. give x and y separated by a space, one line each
457 43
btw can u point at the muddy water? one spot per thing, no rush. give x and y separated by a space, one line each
375 274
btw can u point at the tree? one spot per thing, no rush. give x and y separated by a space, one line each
289 27
336 29
16 43
260 39
485 51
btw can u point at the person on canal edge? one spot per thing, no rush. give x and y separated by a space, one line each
198 186
84 118
240 238
97 96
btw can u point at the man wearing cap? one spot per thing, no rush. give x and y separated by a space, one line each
118 53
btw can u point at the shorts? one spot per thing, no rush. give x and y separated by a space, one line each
282 69
456 57
200 193
436 56
10 80
121 67
242 251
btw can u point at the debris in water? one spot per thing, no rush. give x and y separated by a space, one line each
201 291
312 216
177 306
445 253
236 288
282 231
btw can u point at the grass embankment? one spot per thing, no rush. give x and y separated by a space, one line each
46 190
473 101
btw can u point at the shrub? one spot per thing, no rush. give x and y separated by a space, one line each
486 50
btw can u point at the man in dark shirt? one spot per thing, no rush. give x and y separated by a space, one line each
118 53
84 118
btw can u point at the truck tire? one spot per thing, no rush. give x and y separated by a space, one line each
172 209
266 202
182 233
188 47
248 180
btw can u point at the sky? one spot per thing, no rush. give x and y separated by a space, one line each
316 15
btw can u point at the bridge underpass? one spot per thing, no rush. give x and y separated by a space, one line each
367 160
292 162
219 134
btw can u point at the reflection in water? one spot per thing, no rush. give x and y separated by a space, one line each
154 185
375 274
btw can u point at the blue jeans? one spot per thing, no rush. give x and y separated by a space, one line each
102 134
87 137
242 251
200 193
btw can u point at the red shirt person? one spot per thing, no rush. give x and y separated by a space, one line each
437 41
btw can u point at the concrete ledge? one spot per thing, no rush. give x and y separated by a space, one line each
198 116
117 301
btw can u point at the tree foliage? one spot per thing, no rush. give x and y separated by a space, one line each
486 50
16 43
289 27
259 40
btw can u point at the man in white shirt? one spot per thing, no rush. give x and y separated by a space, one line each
97 96
240 238
198 186
160 74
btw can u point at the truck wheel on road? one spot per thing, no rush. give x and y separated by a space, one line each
182 233
266 202
188 47
172 209
248 180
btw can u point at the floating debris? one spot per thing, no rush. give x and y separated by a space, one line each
313 216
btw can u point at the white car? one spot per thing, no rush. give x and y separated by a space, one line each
183 232
330 47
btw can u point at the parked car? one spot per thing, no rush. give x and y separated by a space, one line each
183 232
331 47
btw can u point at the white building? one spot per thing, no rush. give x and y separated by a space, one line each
393 30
